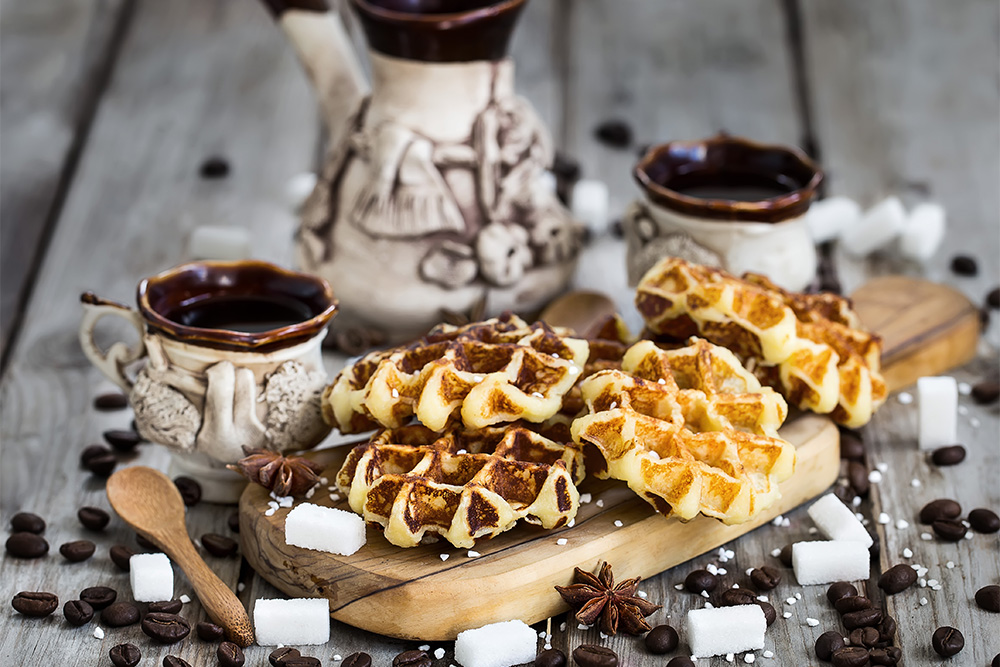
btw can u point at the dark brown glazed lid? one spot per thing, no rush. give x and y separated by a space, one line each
444 31
724 156
186 284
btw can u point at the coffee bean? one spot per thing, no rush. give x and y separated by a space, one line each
840 589
947 641
765 578
98 597
661 640
120 614
887 630
77 551
993 298
862 618
279 654
102 464
827 643
614 133
700 580
591 655
964 265
734 597
988 598
770 615
234 522
983 520
302 661
27 545
111 401
986 392
857 476
122 440
78 612
209 632
362 659
145 544
174 661
93 451
411 659
93 518
120 555
35 603
996 661
845 493
166 628
867 637
218 545
897 578
26 522
949 530
214 167
680 661
851 447
850 656
786 555
876 546
942 508
165 607
230 655
885 656
564 166
850 603
125 655
190 490
948 456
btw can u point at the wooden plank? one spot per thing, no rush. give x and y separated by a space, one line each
54 59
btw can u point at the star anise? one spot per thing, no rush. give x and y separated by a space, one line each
599 596
285 475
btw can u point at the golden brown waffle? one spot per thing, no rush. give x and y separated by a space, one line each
812 348
689 430
491 372
462 485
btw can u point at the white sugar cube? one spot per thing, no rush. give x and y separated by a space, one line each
923 232
152 577
826 562
208 242
878 226
324 529
722 630
292 622
837 522
938 398
589 204
828 217
496 645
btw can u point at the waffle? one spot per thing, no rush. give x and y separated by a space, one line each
491 372
462 485
689 430
812 348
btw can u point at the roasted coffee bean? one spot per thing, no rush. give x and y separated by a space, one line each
885 656
867 637
101 465
988 598
78 612
942 508
786 555
862 619
302 661
411 659
615 133
125 655
93 451
986 392
949 530
765 578
93 518
27 545
234 522
362 659
876 546
165 607
661 640
111 401
120 556
214 167
279 654
964 265
770 615
98 597
983 520
840 589
827 643
733 597
145 544
993 298
77 551
845 493
897 579
119 614
122 440
166 628
996 661
174 661
219 545
887 630
947 641
850 656
700 580
209 632
948 456
857 476
680 661
26 522
564 166
230 655
849 603
190 490
35 603
591 655
851 447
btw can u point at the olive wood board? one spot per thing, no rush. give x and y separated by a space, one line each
414 594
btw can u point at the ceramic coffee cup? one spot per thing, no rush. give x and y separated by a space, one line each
232 358
726 202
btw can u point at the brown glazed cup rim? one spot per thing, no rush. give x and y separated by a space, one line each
439 20
227 338
772 209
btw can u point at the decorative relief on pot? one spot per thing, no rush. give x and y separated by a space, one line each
648 243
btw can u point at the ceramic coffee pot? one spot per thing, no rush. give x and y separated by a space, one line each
432 196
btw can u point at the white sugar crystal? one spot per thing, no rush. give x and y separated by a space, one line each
270 512
99 632
473 554
922 232
812 622
585 498
884 518
184 599
790 600
704 594
210 242
325 529
438 653
297 621
963 410
730 657
933 582
726 629
798 596
875 477
837 522
787 614
915 483
298 188
562 541
749 658
152 577
776 521
642 594
581 626
600 503
826 562
923 601
589 202
712 569
762 598
950 565
562 627
496 645
768 654
856 501
444 557
723 571
827 218
679 587
813 530
964 388
907 553
879 225
905 398
902 524
337 657
618 524
882 467
775 552
424 647
938 411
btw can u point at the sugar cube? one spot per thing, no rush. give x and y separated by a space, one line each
826 562
722 630
496 645
923 232
938 398
880 224
589 203
298 621
324 529
828 217
208 242
152 577
837 522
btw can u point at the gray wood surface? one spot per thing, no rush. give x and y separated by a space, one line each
904 98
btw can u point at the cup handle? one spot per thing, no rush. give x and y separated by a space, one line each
113 362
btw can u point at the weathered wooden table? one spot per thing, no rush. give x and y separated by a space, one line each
109 107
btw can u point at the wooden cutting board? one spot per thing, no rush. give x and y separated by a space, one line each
414 594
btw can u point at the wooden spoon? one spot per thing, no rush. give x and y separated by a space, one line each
149 502
582 311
